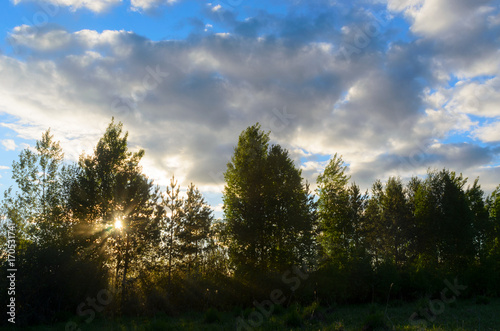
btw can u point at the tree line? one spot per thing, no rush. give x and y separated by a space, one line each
103 224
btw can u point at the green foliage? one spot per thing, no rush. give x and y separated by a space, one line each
110 187
170 223
158 325
279 310
194 229
482 300
211 316
293 318
375 321
37 208
310 311
337 218
400 242
267 208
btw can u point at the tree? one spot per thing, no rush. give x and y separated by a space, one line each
172 205
374 209
266 206
337 229
481 224
289 216
116 206
243 199
492 239
444 221
37 206
194 228
357 215
396 221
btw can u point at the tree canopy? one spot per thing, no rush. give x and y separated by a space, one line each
101 223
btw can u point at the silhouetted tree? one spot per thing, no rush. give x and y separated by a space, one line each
266 206
172 205
194 228
110 189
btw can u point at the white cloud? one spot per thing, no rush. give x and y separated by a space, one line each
97 6
439 17
25 35
4 167
480 99
147 5
186 102
9 145
489 132
32 39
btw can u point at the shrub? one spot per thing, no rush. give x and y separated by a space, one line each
211 316
279 310
337 326
482 300
237 311
293 318
311 309
158 324
374 321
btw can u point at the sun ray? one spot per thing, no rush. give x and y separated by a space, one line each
118 224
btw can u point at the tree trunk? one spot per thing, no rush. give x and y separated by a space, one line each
125 270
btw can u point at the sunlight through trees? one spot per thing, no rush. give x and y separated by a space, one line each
103 224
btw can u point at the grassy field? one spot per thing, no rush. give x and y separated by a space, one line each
472 314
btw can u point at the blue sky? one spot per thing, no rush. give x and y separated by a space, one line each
395 86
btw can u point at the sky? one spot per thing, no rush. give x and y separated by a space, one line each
394 86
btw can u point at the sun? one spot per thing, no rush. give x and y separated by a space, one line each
118 225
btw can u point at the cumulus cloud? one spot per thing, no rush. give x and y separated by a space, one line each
148 5
489 132
457 33
387 108
435 17
8 145
475 98
97 6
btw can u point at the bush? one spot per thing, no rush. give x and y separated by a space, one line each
337 326
278 310
157 325
310 310
374 321
211 316
293 318
397 303
422 305
237 311
482 300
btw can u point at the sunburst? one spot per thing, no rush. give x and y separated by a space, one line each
118 224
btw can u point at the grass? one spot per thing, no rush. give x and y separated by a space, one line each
463 315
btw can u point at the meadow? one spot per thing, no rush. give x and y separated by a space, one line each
478 313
